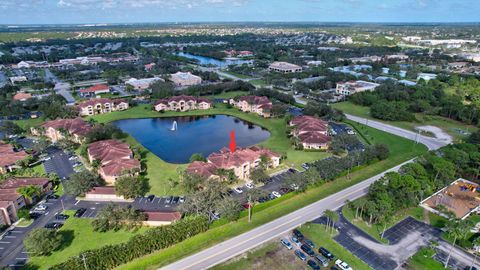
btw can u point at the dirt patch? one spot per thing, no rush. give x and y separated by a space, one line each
437 132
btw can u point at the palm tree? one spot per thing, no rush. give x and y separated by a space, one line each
456 229
476 245
29 192
330 215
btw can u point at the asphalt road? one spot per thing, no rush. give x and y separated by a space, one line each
235 246
430 142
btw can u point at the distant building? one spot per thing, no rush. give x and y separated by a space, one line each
407 82
284 67
22 96
185 79
242 161
15 79
366 59
74 129
474 57
142 84
385 70
9 157
101 106
182 103
315 63
259 105
352 87
396 57
94 90
149 67
402 73
426 76
115 157
106 193
311 132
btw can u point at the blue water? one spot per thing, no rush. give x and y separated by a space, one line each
195 134
206 61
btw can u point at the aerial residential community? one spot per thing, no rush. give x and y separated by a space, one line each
220 135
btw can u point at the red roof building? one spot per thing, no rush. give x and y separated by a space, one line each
182 103
102 105
259 105
9 157
94 90
312 132
76 128
22 96
161 218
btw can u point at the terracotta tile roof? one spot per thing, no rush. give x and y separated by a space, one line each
311 130
262 102
75 126
314 138
95 88
102 191
109 150
14 183
22 96
5 204
163 216
10 197
8 156
202 168
94 101
118 167
226 159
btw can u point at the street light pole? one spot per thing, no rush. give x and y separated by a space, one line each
63 206
249 209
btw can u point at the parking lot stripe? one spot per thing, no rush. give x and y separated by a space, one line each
10 236
21 258
16 231
77 202
5 242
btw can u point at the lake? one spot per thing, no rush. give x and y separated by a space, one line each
194 134
205 61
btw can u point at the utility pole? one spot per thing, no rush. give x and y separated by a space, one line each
249 208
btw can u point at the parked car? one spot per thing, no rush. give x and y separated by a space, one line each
322 260
295 241
35 215
182 199
53 225
271 196
342 265
326 253
61 217
169 200
80 212
238 190
250 185
52 196
276 194
150 197
298 234
175 199
40 208
307 250
313 265
305 166
284 191
309 243
286 243
294 186
300 255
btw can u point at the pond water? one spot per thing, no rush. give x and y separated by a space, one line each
206 61
194 134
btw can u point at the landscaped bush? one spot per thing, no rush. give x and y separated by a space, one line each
111 256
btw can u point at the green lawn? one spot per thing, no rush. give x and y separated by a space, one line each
258 83
284 205
159 171
227 95
238 75
451 127
318 234
26 124
79 237
423 260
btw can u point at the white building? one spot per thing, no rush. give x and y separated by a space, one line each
284 67
185 79
426 76
18 79
352 87
142 84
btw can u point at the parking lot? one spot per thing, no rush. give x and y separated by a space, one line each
58 162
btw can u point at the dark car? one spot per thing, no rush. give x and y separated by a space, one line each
313 265
52 197
168 200
298 234
53 225
284 190
326 253
80 212
35 215
150 198
175 199
309 243
300 255
307 250
61 217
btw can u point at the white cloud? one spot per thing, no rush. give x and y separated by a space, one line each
107 4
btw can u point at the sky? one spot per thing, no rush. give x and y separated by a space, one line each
138 11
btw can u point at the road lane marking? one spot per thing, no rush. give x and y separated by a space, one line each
241 243
348 194
5 242
77 202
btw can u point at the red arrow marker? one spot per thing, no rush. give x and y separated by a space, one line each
233 145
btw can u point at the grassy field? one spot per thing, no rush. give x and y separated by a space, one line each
453 128
227 95
159 171
26 124
423 260
269 256
79 236
238 75
258 83
286 204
